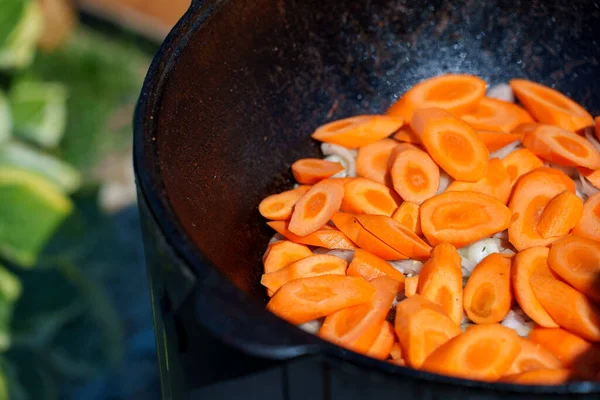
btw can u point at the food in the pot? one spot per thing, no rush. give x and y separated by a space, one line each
458 234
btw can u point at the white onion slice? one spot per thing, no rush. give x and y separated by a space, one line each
312 326
344 156
571 172
445 181
506 150
518 321
501 91
407 267
345 255
589 135
586 188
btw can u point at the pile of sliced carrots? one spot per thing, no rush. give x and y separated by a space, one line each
398 209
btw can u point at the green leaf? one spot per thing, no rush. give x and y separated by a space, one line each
18 41
10 290
12 13
5 118
13 388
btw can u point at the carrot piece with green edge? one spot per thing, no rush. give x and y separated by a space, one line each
592 176
369 266
405 134
527 263
408 214
546 377
372 160
415 176
395 235
314 265
496 115
358 131
309 171
382 346
440 281
364 196
457 93
549 106
357 327
560 215
488 292
520 162
561 146
315 207
569 308
589 224
533 356
451 143
496 140
279 207
576 260
483 352
326 237
422 327
306 299
411 284
348 224
461 218
496 182
282 253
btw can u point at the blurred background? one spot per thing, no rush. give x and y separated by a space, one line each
75 316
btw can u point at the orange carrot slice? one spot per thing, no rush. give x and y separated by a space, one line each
560 215
569 308
488 294
372 160
548 176
315 207
547 377
363 196
356 328
314 265
408 215
309 171
405 134
411 285
483 352
358 131
589 224
305 299
577 261
561 146
496 115
440 281
382 346
279 206
592 176
422 327
415 176
529 262
282 253
496 182
497 140
461 218
348 224
456 93
452 143
533 356
369 266
550 106
520 162
326 237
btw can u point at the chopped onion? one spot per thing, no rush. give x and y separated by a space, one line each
407 267
472 254
276 237
501 91
345 255
571 172
312 326
503 152
589 135
518 321
586 188
444 182
343 173
344 156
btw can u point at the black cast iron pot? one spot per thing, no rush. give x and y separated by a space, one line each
229 103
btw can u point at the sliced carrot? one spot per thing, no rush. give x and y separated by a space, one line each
314 265
405 134
548 176
358 131
533 356
550 106
592 176
576 260
496 140
382 346
279 206
461 218
415 176
369 266
324 237
496 182
456 93
341 181
411 285
363 196
488 294
395 235
372 160
452 143
440 281
560 215
589 224
547 377
305 299
315 207
520 162
529 262
568 307
309 171
422 327
483 352
562 147
496 115
348 224
282 253
400 147
356 328
396 352
408 215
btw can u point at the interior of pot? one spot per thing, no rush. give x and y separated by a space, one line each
258 76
